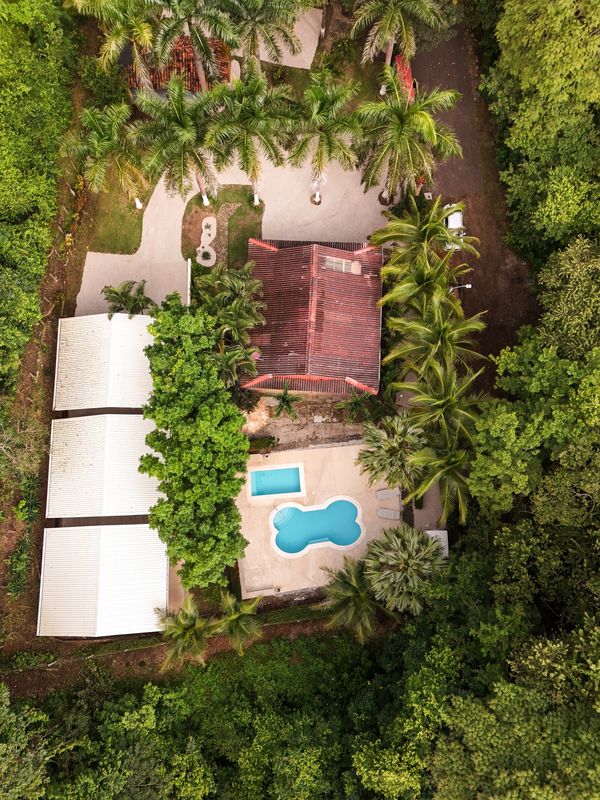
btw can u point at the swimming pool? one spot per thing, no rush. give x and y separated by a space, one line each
296 528
272 481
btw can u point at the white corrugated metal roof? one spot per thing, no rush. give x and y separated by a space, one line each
102 581
93 469
100 363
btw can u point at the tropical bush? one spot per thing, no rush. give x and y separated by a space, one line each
200 451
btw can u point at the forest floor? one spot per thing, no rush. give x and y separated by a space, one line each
501 284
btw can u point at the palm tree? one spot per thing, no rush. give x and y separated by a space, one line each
448 467
435 337
399 566
233 360
174 135
253 124
422 281
187 630
198 20
103 144
423 230
239 622
285 403
390 22
232 297
267 22
125 297
388 451
350 601
442 402
325 128
403 138
126 22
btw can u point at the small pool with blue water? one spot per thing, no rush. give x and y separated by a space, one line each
300 527
283 480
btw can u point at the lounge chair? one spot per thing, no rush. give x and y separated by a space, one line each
389 513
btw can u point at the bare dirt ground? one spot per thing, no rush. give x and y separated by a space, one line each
501 282
319 422
141 663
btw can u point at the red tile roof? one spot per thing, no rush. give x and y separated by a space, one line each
323 327
182 63
405 74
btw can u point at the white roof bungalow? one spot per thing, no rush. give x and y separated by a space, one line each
100 362
93 470
102 581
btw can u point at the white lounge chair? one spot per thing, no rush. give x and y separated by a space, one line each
389 513
385 494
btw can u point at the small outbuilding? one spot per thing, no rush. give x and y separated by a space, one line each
323 323
100 362
102 581
93 469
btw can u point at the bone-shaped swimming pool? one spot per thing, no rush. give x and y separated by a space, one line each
297 528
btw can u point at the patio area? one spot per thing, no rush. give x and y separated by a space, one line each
329 472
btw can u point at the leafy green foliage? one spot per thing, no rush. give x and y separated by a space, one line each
105 86
128 297
200 450
545 91
34 110
18 565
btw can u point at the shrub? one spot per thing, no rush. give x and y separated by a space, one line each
18 566
200 449
106 86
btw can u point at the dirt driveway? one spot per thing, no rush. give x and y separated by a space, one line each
501 282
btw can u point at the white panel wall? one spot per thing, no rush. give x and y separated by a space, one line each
94 467
100 363
102 581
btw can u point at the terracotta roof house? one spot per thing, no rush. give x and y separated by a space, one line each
323 324
182 63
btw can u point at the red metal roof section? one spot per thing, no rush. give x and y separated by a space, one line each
323 327
182 63
405 74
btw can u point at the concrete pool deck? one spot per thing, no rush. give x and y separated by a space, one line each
328 472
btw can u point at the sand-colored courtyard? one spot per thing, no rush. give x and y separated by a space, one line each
328 472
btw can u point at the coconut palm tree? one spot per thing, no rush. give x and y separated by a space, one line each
239 621
325 128
422 281
252 125
285 403
388 450
402 137
104 147
399 565
423 230
126 22
174 137
128 297
269 23
350 601
199 20
187 631
442 402
233 360
447 466
437 336
232 296
389 22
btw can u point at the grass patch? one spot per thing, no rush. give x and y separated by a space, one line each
117 224
245 223
296 78
292 614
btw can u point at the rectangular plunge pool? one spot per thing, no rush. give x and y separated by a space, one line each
277 481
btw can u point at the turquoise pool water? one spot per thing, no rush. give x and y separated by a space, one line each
297 528
275 481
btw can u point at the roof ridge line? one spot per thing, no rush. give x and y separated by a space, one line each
312 306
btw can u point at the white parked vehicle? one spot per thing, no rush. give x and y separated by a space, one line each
455 224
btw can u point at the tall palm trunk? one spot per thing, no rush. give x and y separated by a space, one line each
316 198
202 187
200 72
389 52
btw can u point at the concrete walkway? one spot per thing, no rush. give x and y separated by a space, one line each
308 30
346 214
158 259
